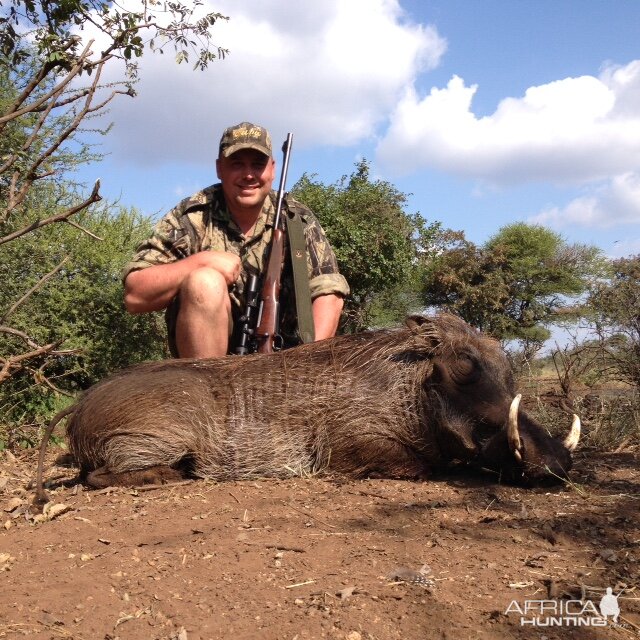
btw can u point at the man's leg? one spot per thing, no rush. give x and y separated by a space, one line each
204 319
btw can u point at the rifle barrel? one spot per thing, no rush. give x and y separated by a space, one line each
286 150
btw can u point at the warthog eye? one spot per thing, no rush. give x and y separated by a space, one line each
464 369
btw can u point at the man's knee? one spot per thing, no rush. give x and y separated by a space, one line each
204 287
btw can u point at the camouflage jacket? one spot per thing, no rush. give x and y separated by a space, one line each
203 222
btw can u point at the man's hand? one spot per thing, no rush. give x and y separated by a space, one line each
228 264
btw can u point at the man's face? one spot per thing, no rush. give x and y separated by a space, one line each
246 176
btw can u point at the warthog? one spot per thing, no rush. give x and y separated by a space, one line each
394 403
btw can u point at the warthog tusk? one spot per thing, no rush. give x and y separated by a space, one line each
571 441
513 436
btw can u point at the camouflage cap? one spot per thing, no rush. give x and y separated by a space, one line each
244 136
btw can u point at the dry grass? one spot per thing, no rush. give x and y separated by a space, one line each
610 415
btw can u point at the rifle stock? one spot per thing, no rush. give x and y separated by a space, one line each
268 330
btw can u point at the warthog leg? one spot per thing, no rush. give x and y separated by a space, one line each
103 477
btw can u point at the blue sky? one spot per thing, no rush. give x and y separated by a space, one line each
488 112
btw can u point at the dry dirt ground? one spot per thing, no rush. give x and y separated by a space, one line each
456 557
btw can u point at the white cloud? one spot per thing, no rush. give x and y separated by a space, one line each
615 203
574 130
330 71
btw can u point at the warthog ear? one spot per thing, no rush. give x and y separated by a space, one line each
414 321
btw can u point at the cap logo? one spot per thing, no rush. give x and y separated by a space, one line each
246 132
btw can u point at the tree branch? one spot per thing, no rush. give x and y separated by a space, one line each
15 112
31 173
81 228
33 289
40 378
13 364
60 217
19 334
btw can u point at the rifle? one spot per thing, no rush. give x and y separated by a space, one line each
265 337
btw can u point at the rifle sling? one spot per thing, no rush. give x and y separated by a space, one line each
298 247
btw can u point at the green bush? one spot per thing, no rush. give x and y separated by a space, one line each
82 306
